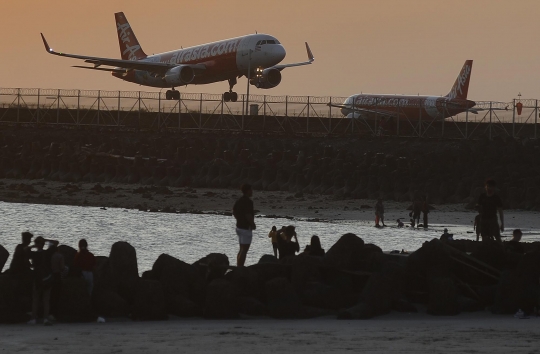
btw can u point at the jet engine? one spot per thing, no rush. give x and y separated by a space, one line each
266 79
179 75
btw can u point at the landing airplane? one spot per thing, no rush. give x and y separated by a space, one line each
396 106
255 56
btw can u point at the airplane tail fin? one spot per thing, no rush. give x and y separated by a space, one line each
461 86
130 49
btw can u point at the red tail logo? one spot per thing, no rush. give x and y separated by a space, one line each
130 48
461 86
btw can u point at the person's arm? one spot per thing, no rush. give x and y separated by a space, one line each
52 242
501 216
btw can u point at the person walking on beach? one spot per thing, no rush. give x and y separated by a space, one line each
273 235
41 262
476 226
85 261
379 213
425 212
489 204
243 212
417 208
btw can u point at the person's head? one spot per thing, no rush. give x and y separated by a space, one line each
26 238
274 228
445 231
83 244
315 241
247 190
289 232
39 242
489 186
516 235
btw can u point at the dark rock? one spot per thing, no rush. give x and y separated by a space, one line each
68 253
220 300
4 255
345 252
443 297
15 298
250 306
107 303
74 304
268 258
148 301
281 299
212 266
123 268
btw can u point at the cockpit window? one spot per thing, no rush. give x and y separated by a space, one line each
263 42
271 42
258 43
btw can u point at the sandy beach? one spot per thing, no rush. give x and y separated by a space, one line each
404 333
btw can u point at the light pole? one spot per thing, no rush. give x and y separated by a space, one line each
248 80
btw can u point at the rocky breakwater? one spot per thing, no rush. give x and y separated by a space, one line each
353 280
400 170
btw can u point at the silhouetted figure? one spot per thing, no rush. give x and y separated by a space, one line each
245 223
288 247
86 262
20 263
446 236
476 226
273 235
379 213
314 248
489 204
514 244
417 208
41 263
425 212
399 223
58 268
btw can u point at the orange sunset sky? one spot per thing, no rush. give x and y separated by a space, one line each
375 46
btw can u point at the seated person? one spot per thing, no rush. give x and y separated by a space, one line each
399 223
286 246
314 248
446 236
514 244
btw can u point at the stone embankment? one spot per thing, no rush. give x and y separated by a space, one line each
352 281
400 170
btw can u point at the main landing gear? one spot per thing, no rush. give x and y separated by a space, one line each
172 95
231 96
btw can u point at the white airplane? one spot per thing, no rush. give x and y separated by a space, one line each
255 56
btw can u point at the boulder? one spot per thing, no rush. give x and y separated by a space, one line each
344 254
74 303
148 301
107 303
68 253
443 297
281 299
250 306
123 269
245 282
212 266
15 298
4 255
220 300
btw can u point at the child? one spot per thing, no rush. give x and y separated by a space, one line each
273 235
399 223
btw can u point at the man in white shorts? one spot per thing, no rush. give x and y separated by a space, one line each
245 223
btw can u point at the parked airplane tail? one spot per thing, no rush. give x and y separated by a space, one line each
461 86
130 49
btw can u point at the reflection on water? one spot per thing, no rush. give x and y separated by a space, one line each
188 237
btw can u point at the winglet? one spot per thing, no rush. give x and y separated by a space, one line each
49 50
309 53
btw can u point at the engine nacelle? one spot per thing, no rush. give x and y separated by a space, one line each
179 75
267 79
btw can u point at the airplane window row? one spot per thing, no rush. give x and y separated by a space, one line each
269 41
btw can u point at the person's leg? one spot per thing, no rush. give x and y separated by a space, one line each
382 220
241 257
376 220
274 246
35 302
46 305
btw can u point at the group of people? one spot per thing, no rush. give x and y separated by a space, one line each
47 268
284 241
420 207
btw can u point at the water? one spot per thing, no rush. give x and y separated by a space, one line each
188 237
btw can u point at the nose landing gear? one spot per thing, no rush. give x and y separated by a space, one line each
231 96
172 95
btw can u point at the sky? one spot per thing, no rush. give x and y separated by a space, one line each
369 46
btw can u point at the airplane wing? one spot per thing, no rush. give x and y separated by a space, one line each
310 60
363 110
158 68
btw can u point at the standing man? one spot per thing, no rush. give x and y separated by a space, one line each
488 205
379 213
20 263
245 222
425 211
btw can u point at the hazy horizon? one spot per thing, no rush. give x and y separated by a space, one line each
388 46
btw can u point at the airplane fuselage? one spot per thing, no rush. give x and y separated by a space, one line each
411 107
222 60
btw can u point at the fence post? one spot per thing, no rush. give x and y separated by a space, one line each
37 112
307 118
118 117
397 124
286 106
179 110
78 105
58 107
514 118
264 112
330 116
467 124
535 118
18 103
200 113
139 119
159 111
420 120
98 105
243 111
490 112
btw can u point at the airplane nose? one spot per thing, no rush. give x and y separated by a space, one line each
279 52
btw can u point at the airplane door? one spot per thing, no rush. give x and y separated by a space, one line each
242 54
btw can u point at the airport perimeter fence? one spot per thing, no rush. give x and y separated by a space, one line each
301 115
